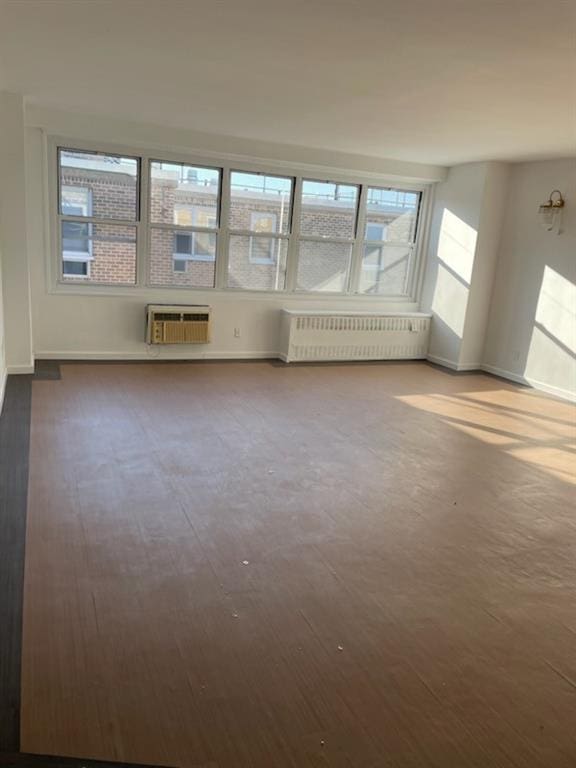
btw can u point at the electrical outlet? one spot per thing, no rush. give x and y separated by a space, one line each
236 333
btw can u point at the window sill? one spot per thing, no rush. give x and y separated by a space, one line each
158 293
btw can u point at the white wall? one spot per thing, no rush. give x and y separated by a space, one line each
13 234
105 325
494 200
532 331
461 262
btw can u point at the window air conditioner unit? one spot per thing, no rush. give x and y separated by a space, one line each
169 324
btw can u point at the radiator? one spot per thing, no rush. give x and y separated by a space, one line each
325 335
169 324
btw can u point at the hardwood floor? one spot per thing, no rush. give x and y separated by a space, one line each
257 566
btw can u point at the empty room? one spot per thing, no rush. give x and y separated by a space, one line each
287 384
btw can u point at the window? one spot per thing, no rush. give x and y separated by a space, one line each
218 227
184 214
389 241
327 231
259 224
98 211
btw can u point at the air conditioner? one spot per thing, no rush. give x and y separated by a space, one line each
169 324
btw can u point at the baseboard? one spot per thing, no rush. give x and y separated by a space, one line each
155 354
19 369
443 361
564 394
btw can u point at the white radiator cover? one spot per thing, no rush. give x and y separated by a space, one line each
323 335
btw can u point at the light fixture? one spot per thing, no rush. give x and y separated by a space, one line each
550 212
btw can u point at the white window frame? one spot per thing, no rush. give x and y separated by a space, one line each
381 244
226 164
324 239
90 219
276 238
185 229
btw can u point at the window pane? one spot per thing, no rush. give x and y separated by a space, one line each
385 269
391 215
107 250
182 258
103 186
257 263
75 268
75 237
323 266
328 210
185 195
260 203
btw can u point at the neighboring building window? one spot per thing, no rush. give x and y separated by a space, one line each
76 235
196 246
98 213
262 249
389 241
259 224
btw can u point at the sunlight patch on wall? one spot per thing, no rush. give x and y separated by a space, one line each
450 300
456 247
552 353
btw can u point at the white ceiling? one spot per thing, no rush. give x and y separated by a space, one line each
434 81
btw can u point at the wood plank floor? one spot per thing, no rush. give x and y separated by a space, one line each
257 566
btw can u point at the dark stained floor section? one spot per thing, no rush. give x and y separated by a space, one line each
14 449
255 566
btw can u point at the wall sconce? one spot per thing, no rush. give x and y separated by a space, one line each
550 212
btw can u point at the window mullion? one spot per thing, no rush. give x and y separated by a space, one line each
294 240
358 248
222 256
142 229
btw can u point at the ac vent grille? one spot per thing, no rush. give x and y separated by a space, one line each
178 325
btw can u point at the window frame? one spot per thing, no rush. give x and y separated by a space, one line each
349 282
275 237
188 229
413 267
226 164
91 219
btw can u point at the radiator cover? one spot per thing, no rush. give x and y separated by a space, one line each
323 335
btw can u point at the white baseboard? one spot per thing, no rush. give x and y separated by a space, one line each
155 354
564 394
443 361
18 369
